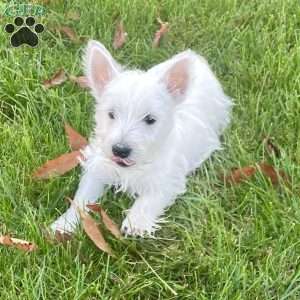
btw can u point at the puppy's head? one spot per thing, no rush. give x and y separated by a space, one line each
134 109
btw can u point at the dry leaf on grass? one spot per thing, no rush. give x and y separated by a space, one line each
108 222
82 81
164 28
92 230
76 140
17 243
242 174
69 32
57 79
67 161
59 165
120 36
272 173
239 175
271 147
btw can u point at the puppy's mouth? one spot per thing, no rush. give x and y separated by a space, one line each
123 162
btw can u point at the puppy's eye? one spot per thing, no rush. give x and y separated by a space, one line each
111 115
149 120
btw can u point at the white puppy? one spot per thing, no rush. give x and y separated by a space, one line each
152 129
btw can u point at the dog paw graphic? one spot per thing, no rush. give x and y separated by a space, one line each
139 225
24 33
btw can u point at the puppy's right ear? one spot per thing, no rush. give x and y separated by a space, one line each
100 67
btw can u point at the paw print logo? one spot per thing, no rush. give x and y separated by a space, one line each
24 33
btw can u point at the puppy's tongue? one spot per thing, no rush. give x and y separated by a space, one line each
123 161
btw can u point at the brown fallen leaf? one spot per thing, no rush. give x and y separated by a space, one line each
120 36
164 28
271 147
92 230
82 81
17 243
242 174
272 173
69 32
59 165
57 79
108 222
239 175
76 140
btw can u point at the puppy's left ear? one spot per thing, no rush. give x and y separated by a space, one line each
177 76
100 67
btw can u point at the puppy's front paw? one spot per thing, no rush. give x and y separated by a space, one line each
139 225
66 223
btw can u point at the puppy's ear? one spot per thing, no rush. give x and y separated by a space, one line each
100 67
176 78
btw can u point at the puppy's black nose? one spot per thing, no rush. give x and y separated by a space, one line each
121 150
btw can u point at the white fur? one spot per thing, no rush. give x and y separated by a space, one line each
191 111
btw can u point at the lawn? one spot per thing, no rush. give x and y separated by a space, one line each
220 241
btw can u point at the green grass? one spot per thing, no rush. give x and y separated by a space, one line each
221 242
